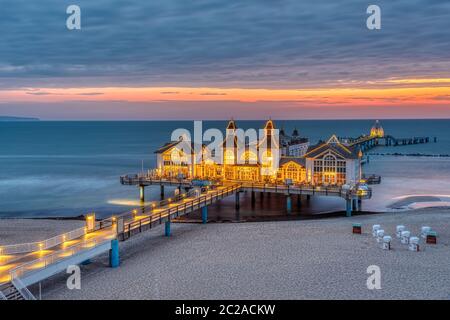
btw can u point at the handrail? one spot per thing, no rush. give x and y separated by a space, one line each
43 262
153 179
42 245
168 212
2 296
23 290
71 235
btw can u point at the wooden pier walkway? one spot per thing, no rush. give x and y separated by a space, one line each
38 264
157 216
302 189
369 142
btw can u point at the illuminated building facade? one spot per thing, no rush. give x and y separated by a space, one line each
377 130
327 163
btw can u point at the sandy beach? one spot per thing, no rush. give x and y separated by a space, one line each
15 231
315 259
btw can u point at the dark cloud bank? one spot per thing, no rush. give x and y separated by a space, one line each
232 43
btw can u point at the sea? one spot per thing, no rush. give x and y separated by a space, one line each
70 168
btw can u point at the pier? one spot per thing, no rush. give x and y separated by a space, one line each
25 264
329 169
352 194
368 142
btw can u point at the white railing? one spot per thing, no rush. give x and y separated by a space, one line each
59 239
2 296
47 260
23 290
41 245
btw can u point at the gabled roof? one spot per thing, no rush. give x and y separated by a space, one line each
231 125
298 160
167 146
269 125
333 140
173 144
334 146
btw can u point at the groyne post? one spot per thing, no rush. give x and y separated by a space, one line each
114 257
162 192
142 193
204 214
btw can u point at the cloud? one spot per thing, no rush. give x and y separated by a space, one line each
221 43
213 94
442 98
195 110
90 94
36 92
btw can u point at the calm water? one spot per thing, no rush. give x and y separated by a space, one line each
70 168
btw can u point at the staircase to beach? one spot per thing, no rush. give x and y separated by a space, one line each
10 292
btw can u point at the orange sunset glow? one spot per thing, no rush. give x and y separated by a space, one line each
290 60
399 92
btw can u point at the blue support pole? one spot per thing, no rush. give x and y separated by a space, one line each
114 257
204 214
288 204
355 205
349 208
167 228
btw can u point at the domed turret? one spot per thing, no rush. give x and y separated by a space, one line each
377 130
295 133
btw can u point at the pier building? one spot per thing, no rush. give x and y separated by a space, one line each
327 163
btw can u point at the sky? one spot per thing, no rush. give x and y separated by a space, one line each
217 59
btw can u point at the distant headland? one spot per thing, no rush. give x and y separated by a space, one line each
8 118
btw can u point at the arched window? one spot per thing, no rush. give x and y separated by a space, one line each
329 163
249 158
